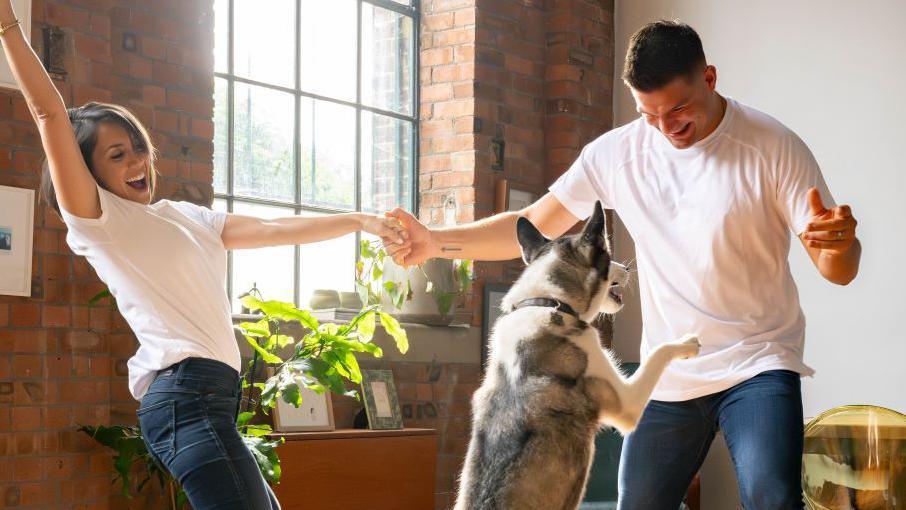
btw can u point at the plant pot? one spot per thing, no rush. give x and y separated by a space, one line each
439 271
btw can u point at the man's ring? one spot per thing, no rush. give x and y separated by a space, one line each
839 234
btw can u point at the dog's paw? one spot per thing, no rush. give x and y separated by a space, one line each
686 347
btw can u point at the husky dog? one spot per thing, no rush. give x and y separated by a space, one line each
549 385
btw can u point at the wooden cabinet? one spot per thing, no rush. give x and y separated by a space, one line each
358 470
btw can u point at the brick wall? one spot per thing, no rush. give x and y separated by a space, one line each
536 74
63 363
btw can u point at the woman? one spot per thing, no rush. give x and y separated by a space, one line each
164 262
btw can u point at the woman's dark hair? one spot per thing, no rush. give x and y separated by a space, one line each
86 120
660 52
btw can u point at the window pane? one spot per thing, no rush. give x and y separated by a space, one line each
270 269
220 204
327 265
264 41
221 35
328 60
328 153
263 142
221 134
386 162
387 45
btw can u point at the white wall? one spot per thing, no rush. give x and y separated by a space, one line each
833 71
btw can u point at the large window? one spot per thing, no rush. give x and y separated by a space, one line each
315 113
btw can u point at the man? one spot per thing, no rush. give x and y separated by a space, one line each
709 189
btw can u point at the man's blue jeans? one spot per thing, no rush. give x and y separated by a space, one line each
761 420
188 422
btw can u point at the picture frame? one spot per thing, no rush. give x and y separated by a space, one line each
492 295
511 198
23 12
381 401
17 222
314 415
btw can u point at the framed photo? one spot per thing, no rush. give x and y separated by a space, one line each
17 221
509 198
381 402
315 413
490 312
23 12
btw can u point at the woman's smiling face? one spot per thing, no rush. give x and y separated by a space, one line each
122 163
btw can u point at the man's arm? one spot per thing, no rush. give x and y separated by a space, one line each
493 238
830 240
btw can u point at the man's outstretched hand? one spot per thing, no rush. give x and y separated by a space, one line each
419 247
833 229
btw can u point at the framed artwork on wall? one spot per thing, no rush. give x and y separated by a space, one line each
17 215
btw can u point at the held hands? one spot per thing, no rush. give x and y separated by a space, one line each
419 244
833 230
390 231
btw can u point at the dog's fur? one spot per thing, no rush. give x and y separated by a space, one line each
549 386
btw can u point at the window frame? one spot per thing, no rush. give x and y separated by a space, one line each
297 206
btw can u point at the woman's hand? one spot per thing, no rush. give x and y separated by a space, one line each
388 229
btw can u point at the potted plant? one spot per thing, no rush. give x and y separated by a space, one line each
432 288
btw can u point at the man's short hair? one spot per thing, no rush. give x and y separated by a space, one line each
659 52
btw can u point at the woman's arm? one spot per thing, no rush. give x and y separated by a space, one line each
75 187
251 232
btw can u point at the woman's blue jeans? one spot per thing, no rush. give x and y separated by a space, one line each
761 420
188 422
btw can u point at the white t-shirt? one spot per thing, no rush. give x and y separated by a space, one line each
711 225
165 264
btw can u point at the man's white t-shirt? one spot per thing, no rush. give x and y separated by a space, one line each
165 264
711 226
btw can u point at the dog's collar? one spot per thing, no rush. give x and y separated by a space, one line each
560 306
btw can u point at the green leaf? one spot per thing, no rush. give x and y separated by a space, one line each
365 326
243 418
280 310
266 356
444 301
365 249
283 340
337 361
265 455
291 395
352 365
376 272
261 328
392 326
99 296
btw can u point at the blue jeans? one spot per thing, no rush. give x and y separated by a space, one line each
761 420
188 422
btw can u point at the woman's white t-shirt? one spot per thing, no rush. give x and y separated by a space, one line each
165 264
711 226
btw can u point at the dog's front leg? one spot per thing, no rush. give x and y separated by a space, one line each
637 391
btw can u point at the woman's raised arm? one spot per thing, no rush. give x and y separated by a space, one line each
75 187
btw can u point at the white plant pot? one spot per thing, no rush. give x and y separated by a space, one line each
439 271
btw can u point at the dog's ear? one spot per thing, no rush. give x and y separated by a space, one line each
531 240
595 231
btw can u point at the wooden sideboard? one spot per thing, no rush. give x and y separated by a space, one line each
352 469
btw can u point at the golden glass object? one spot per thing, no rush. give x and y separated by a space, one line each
854 459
